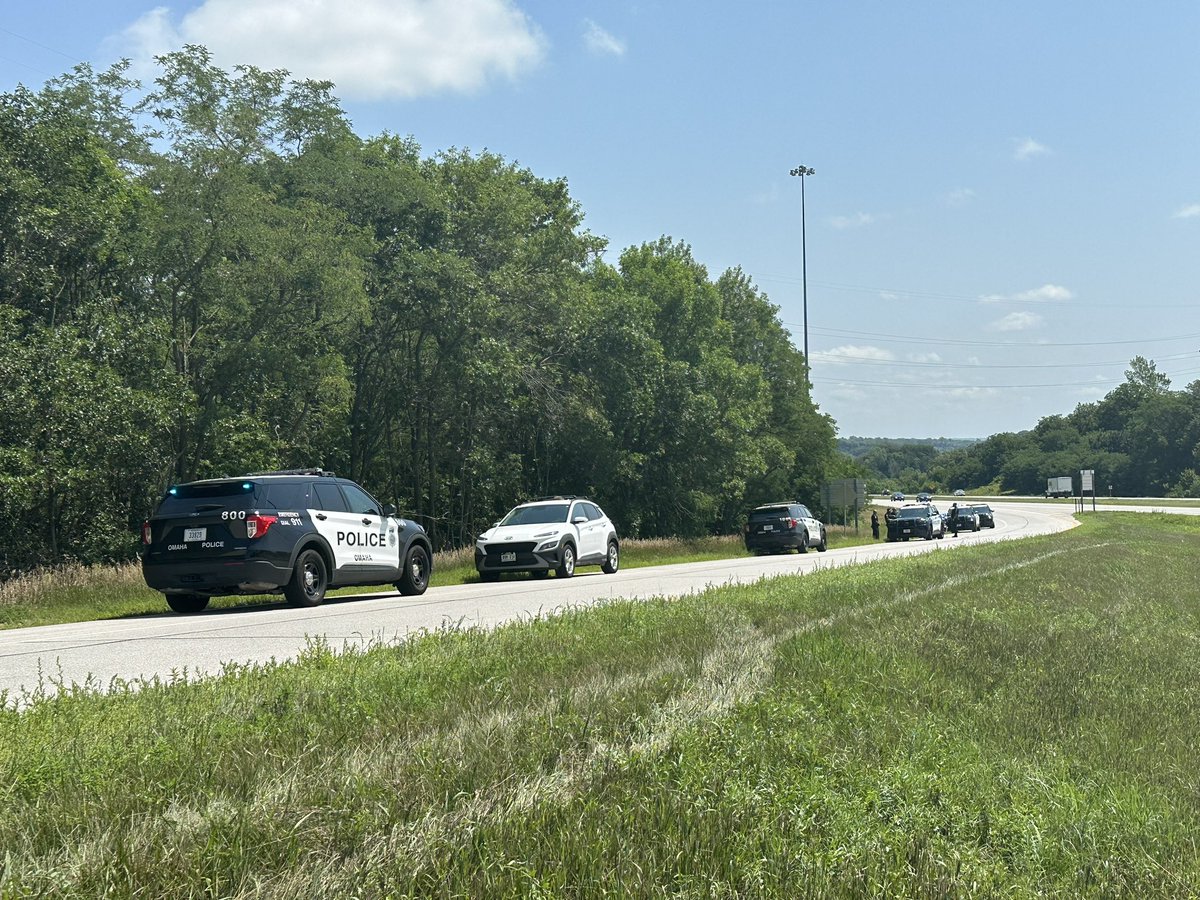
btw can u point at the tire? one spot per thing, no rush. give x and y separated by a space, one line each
310 580
186 603
824 545
566 567
415 576
803 548
612 560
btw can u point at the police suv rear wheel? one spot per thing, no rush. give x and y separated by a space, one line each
309 581
186 603
415 577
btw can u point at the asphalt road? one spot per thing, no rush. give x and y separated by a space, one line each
167 646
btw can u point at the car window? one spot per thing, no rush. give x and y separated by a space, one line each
360 501
914 512
769 513
184 499
543 514
288 496
590 511
803 513
325 495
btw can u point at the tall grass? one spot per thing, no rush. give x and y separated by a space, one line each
1008 720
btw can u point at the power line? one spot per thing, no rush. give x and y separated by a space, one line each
1008 344
825 356
984 387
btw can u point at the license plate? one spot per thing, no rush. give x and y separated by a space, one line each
194 534
768 528
510 556
908 531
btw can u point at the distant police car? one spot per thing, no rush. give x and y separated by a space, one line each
556 533
301 531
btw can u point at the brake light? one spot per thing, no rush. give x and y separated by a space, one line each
146 536
257 524
792 523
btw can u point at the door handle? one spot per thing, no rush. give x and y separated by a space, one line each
322 516
366 521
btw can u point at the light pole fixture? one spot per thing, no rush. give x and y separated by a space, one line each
802 171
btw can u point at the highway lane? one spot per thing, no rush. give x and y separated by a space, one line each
168 646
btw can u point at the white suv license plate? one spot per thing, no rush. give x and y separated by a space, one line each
194 534
508 557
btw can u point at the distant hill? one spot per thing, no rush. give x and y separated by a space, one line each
858 447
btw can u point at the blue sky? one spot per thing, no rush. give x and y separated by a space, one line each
1006 205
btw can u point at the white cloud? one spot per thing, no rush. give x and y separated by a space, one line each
924 357
971 393
850 353
370 49
1188 212
960 197
854 221
1045 294
1028 148
1018 321
600 41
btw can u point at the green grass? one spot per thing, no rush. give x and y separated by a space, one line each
85 594
1005 720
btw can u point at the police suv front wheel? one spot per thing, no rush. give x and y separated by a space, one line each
310 578
415 577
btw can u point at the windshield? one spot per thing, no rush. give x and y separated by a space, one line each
543 514
914 512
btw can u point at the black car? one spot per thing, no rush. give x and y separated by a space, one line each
987 518
776 527
965 519
915 520
299 532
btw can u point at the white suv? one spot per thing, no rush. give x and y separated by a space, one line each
556 533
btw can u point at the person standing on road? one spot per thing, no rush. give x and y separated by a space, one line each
954 519
874 524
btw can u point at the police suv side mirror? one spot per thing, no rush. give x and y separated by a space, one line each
389 509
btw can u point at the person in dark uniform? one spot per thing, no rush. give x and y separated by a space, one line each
954 519
874 524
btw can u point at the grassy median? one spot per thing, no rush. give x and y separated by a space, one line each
1005 720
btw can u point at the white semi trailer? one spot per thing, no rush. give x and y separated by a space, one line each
1059 486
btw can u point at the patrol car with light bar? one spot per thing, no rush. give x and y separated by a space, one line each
300 532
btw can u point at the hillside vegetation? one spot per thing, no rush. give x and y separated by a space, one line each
1009 720
1142 440
248 285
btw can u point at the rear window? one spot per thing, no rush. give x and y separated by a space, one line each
770 513
185 499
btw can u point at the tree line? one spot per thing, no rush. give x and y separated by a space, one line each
222 277
1142 439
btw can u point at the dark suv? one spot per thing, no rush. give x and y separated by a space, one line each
784 526
915 520
299 532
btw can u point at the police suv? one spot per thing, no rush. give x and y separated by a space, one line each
300 531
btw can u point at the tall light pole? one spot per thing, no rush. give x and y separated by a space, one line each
802 171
